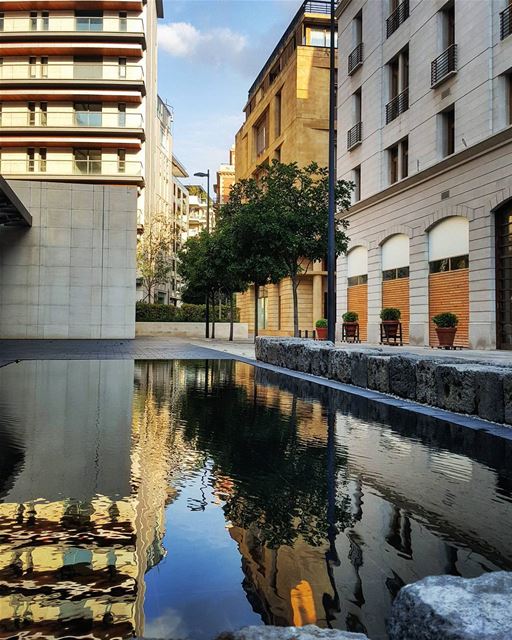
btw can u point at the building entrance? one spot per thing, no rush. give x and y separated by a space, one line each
504 277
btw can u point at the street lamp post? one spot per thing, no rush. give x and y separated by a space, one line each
331 247
201 174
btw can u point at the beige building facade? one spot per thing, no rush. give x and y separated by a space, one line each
225 179
426 91
287 119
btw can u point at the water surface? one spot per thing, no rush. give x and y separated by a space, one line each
181 499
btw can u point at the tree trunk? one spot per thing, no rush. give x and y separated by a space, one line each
256 290
213 316
295 285
231 316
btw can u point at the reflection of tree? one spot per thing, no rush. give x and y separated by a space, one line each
280 478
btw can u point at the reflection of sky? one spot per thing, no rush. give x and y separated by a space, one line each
196 590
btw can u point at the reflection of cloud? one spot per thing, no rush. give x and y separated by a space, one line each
169 625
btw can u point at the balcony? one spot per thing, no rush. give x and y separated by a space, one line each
69 72
59 119
444 66
354 136
355 59
51 25
123 171
398 105
506 22
48 5
399 15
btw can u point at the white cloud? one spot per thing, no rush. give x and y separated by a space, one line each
217 47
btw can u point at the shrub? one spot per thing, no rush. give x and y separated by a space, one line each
390 313
350 316
321 324
445 319
146 312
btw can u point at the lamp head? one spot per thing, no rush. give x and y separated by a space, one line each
201 174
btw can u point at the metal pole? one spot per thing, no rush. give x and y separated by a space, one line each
208 231
331 248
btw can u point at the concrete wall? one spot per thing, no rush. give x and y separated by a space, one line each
191 329
72 274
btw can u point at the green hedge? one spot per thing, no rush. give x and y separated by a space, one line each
146 312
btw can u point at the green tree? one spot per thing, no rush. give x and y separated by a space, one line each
154 254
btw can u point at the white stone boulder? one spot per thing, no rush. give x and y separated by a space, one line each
309 632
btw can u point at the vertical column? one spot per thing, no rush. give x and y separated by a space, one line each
418 283
374 293
318 310
482 281
341 292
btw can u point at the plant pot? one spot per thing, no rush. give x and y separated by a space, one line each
350 329
390 328
321 333
446 336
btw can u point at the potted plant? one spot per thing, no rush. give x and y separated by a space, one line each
321 329
446 328
390 317
350 324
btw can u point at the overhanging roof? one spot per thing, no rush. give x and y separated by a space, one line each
12 211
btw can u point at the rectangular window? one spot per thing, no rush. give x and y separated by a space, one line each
395 274
449 264
31 114
1 110
44 67
122 67
123 21
121 160
1 21
277 114
121 114
88 114
88 20
261 134
43 114
353 281
33 20
31 154
448 131
393 164
42 160
87 161
356 179
448 25
394 78
32 65
45 20
87 67
357 29
277 154
404 156
398 158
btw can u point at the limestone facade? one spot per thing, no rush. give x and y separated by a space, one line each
426 92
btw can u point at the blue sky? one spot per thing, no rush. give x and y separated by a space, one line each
210 51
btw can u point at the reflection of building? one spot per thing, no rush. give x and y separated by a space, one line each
225 179
75 563
427 101
286 119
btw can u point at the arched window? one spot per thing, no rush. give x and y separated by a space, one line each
395 257
357 266
448 245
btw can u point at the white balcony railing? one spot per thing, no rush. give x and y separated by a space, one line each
65 71
70 167
62 119
68 24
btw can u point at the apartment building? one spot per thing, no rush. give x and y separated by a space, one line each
425 90
225 179
287 119
180 224
78 125
198 210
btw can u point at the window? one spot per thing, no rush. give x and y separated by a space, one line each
277 154
321 38
88 20
33 20
88 114
394 78
448 25
122 67
261 134
44 67
356 179
449 264
353 281
123 21
31 154
121 114
1 109
357 29
43 114
398 85
87 161
45 20
1 21
509 98
42 160
277 112
398 159
262 307
448 132
87 67
395 274
121 160
31 114
32 61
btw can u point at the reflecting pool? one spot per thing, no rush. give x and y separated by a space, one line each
175 500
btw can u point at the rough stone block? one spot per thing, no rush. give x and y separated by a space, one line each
454 608
308 632
402 376
359 368
339 366
378 373
489 394
455 386
507 397
426 390
320 354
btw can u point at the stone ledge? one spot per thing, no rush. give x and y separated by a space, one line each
308 632
455 384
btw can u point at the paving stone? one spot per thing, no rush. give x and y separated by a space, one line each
453 608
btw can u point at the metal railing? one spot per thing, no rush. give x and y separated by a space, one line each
59 23
67 119
70 167
444 65
398 105
399 15
506 22
69 71
354 135
355 58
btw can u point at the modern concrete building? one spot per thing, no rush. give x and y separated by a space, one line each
197 210
78 118
225 179
425 88
180 221
287 119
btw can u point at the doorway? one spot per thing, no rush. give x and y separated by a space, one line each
504 277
